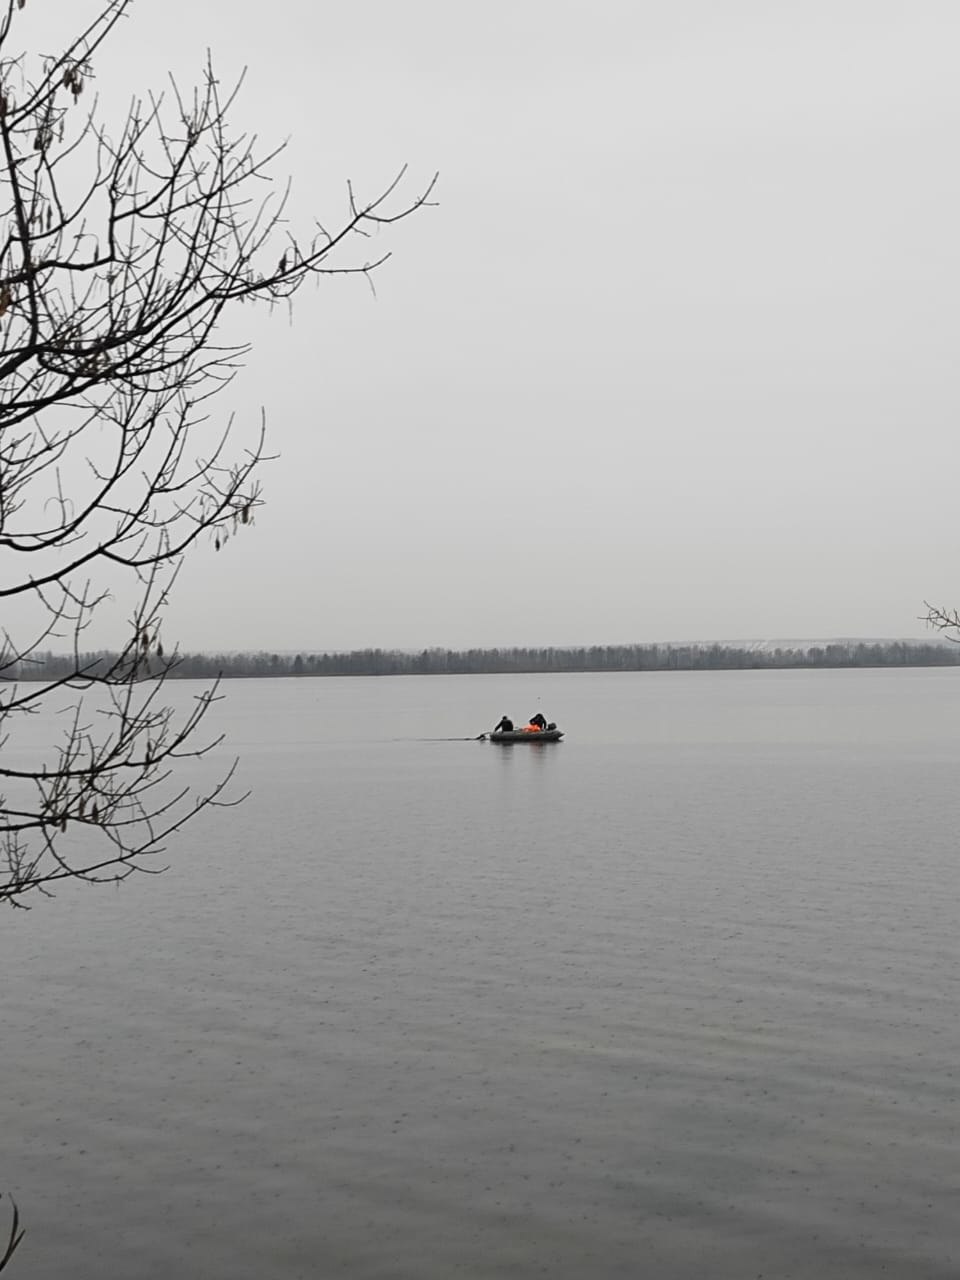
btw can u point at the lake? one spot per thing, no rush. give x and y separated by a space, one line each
676 997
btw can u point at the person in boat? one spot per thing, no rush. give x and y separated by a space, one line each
538 721
505 725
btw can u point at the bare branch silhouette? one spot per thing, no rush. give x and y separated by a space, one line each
14 1237
943 619
121 252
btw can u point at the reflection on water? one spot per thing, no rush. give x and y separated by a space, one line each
538 750
674 997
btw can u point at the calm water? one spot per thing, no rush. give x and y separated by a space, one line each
675 998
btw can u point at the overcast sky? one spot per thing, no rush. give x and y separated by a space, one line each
675 357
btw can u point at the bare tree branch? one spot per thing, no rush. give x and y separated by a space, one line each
122 252
14 1237
943 619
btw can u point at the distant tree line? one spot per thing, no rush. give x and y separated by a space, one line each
435 662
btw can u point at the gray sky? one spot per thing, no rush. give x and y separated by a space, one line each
675 357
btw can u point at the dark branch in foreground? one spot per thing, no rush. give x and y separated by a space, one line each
945 620
123 251
14 1237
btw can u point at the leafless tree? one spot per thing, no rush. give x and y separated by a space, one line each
121 251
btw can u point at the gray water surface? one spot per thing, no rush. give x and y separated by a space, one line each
674 998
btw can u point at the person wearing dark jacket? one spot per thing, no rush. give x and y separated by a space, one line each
505 726
539 721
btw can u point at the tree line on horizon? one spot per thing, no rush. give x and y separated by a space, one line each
428 662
